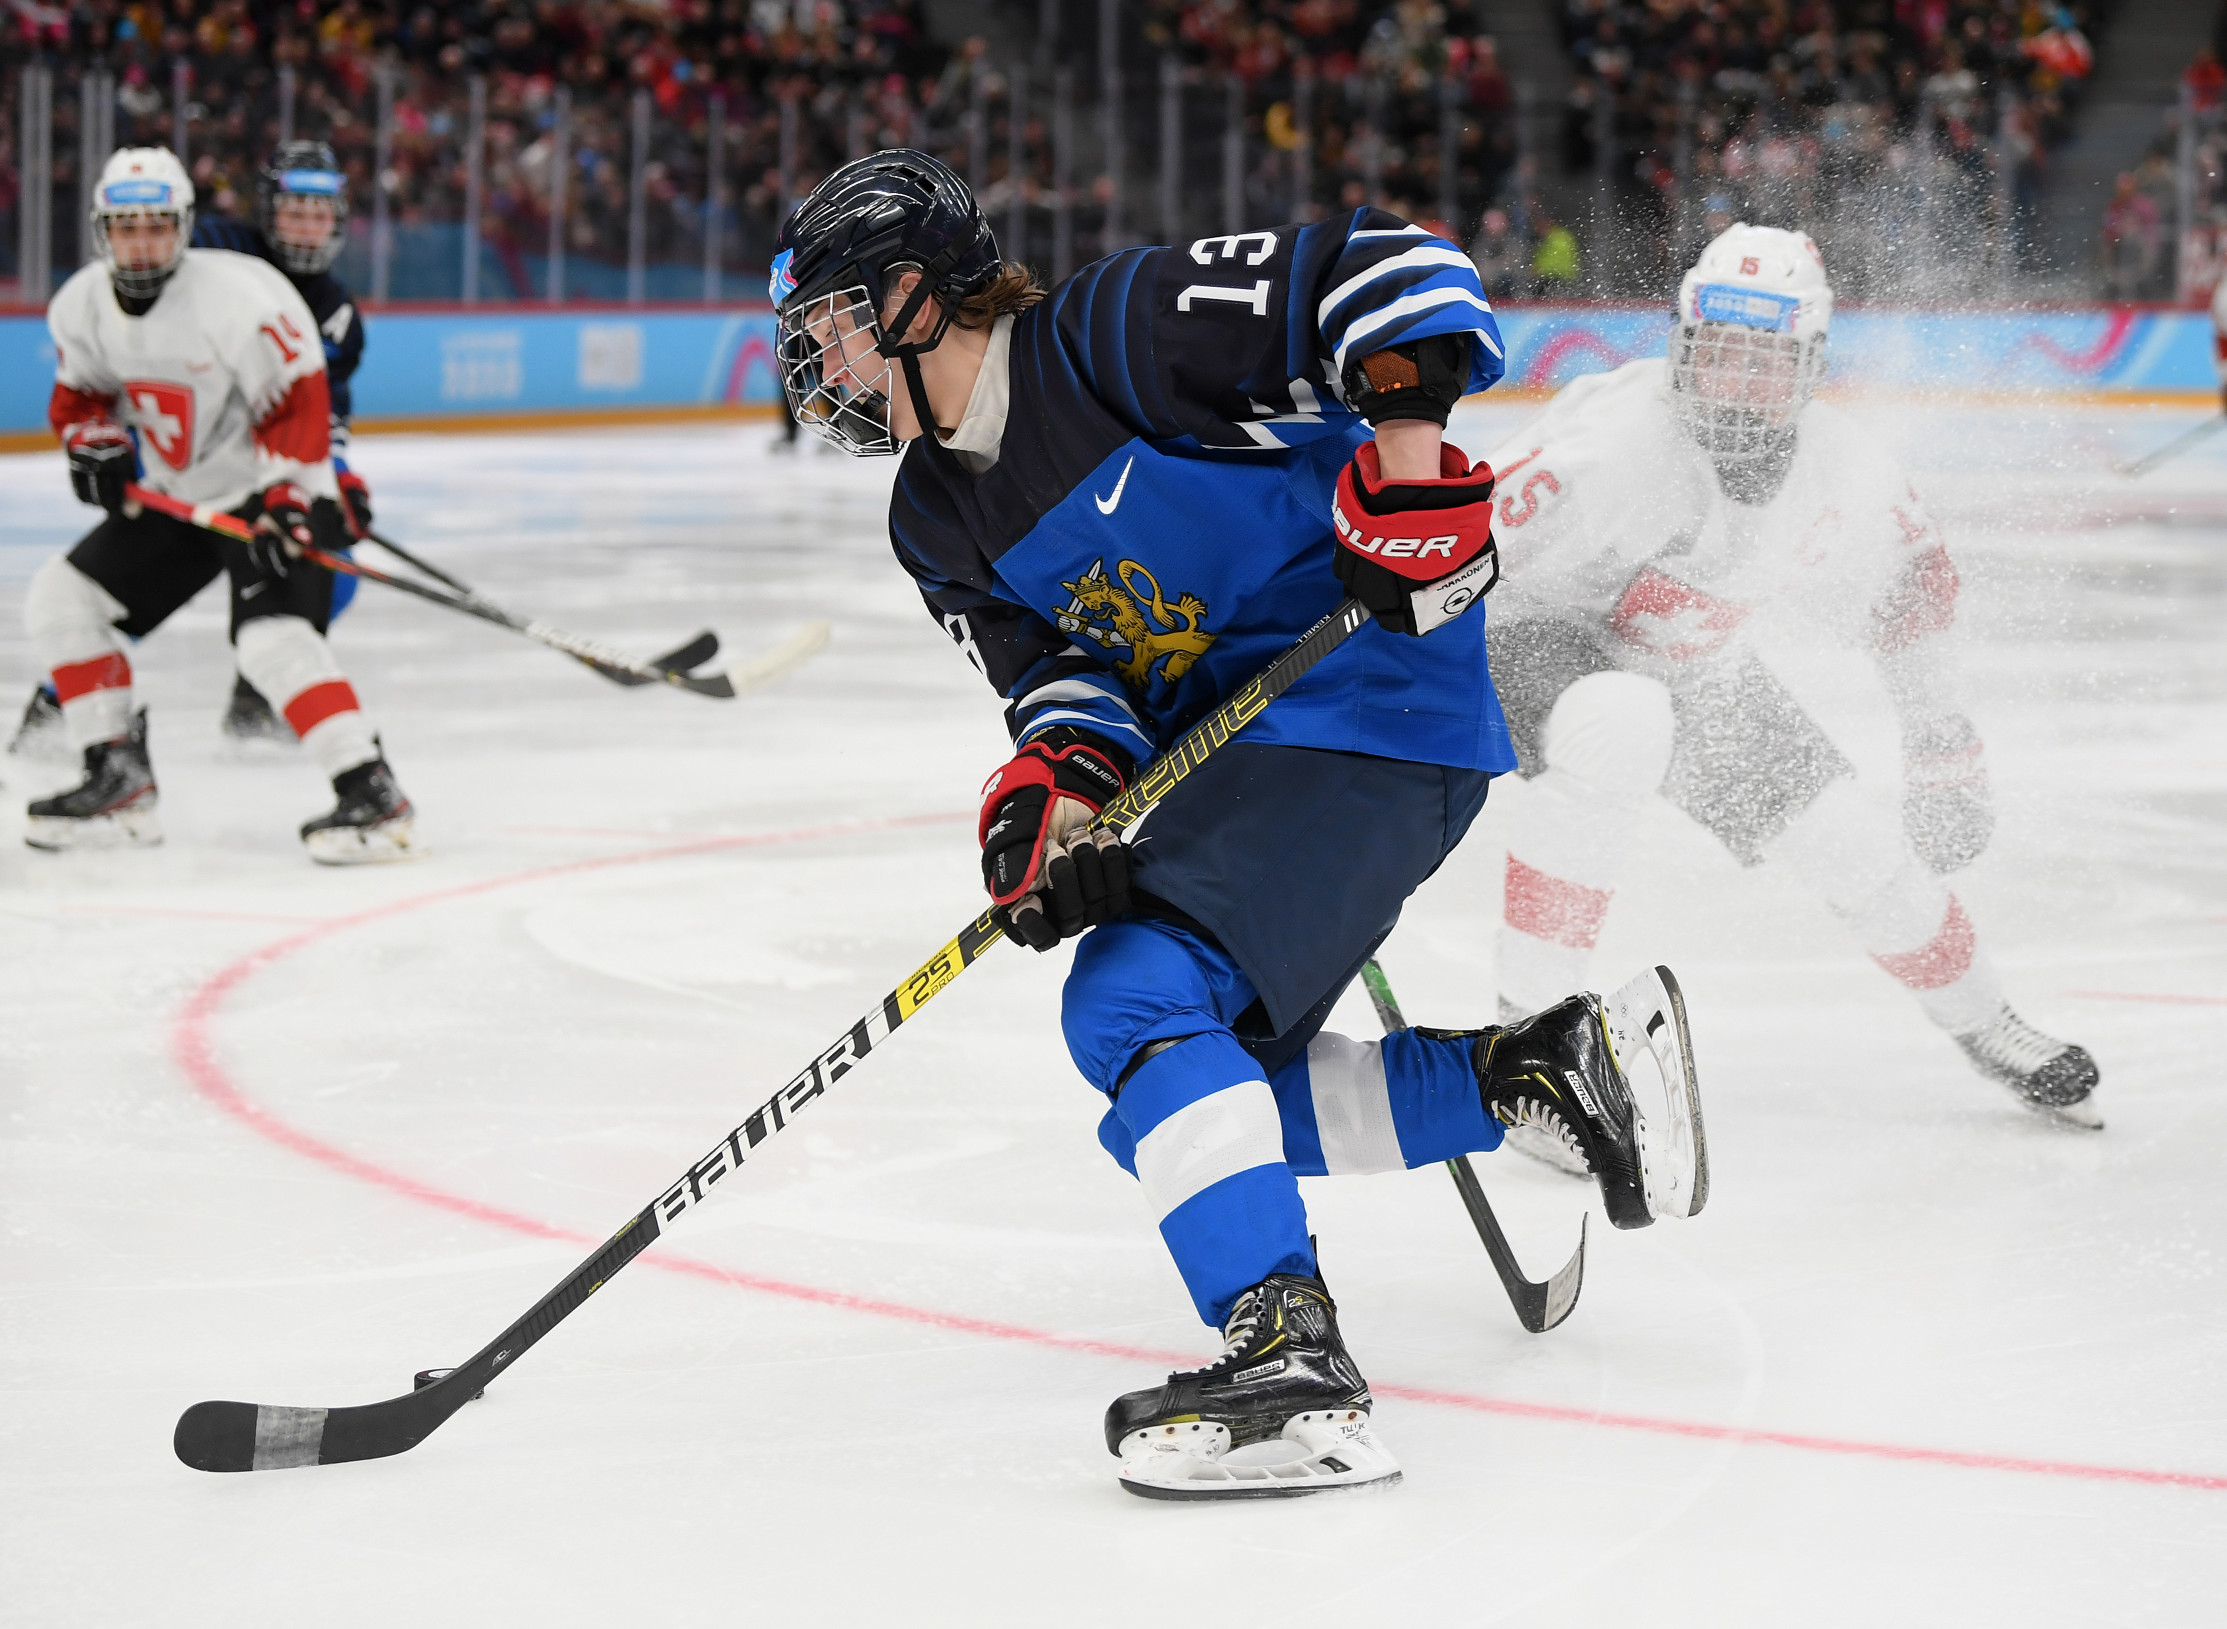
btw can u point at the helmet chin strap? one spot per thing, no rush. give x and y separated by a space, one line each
908 358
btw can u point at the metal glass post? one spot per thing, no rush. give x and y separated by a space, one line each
788 156
1681 164
2184 188
560 189
1604 179
854 129
181 84
1063 170
715 142
637 204
1047 32
285 103
1449 150
1109 90
1303 136
1171 149
475 183
1372 142
35 211
96 139
1233 154
1016 161
978 127
382 161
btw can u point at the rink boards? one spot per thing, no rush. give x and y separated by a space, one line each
429 366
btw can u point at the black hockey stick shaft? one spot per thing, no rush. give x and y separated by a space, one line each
416 563
226 1436
2174 448
603 658
1539 1307
692 653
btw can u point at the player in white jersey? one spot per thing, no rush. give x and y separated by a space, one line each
1643 520
212 363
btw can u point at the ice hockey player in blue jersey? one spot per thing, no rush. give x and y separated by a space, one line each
300 226
1123 511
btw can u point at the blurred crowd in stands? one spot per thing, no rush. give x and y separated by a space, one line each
1907 134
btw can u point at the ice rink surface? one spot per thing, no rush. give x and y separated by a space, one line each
284 1134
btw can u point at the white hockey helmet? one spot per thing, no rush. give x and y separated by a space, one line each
142 182
1749 344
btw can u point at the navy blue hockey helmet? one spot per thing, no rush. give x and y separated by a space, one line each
840 253
302 169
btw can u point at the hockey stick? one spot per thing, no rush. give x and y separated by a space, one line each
610 662
221 1436
1538 1306
2174 448
680 659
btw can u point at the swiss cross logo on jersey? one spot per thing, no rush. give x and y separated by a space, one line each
1663 615
164 415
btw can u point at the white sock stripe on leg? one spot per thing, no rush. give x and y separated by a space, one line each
1353 1106
1206 1142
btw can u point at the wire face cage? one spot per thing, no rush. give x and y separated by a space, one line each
838 382
1738 389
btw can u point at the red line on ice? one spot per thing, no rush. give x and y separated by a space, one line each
194 1050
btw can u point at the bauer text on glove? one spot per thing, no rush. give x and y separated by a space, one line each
1416 553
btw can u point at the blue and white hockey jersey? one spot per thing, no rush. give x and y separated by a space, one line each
1156 527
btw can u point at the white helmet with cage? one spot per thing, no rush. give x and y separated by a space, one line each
142 183
1749 344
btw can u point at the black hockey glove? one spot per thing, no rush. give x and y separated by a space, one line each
355 501
1946 811
282 531
1049 875
1417 553
102 463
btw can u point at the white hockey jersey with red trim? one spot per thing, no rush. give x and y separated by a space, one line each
1607 510
223 378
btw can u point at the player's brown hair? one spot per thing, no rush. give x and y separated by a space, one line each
1011 292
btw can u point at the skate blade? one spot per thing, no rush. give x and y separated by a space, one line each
1654 1048
137 827
1322 1452
377 845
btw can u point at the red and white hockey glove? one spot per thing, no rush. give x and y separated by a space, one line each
355 500
1416 553
102 462
283 530
1946 811
1049 875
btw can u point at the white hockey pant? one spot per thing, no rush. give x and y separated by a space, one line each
70 619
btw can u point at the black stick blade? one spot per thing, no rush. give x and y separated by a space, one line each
1539 1307
245 1437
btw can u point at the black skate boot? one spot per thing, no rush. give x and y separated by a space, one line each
1605 1087
372 821
42 734
115 806
249 717
2053 1076
1283 1411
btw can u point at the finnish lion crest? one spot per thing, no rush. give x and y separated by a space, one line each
1161 640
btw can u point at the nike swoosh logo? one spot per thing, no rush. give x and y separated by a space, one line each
1107 506
1129 835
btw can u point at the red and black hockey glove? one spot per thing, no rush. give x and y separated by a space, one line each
1946 812
355 501
1416 553
102 463
283 529
1049 875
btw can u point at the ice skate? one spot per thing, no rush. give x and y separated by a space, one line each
249 718
371 823
2052 1076
1282 1412
42 734
1605 1088
114 807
